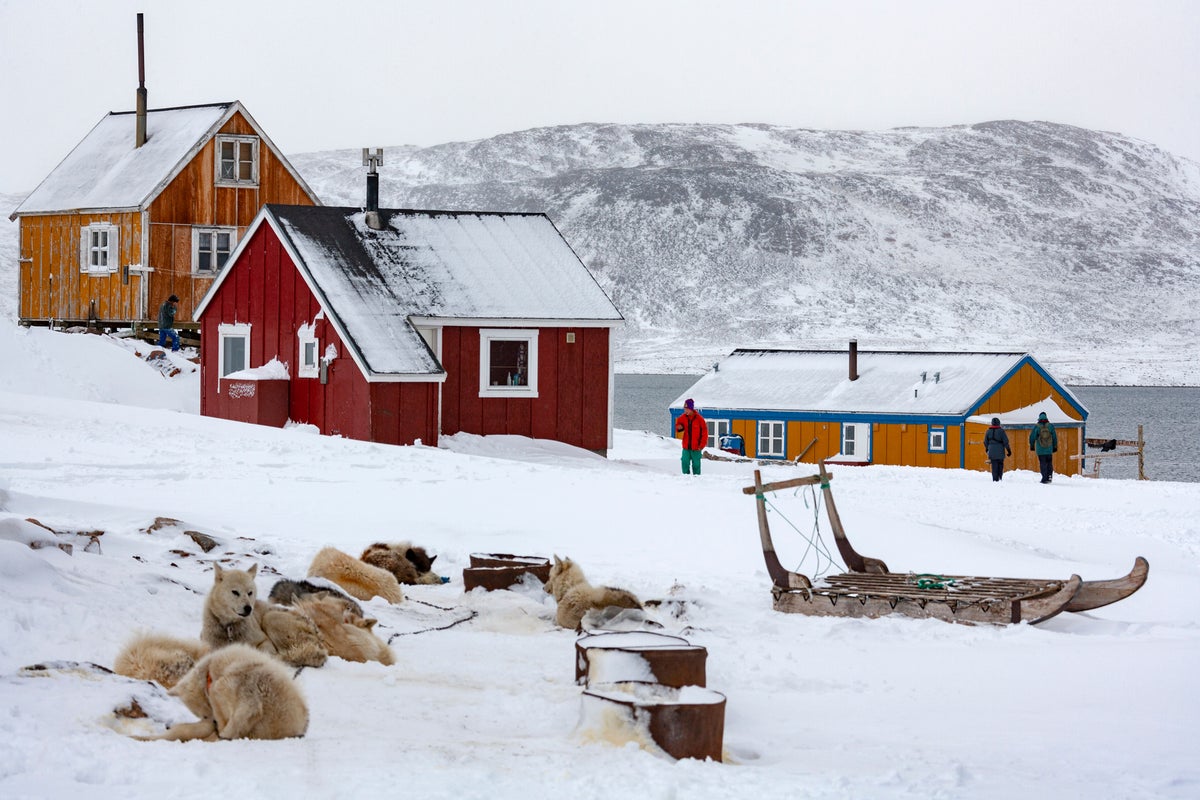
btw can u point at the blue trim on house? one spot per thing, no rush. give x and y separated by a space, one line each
929 442
1058 387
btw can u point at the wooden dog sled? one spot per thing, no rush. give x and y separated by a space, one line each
870 590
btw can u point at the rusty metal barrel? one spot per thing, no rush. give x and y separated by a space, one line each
685 722
639 656
501 570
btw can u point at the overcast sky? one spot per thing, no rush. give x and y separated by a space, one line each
326 74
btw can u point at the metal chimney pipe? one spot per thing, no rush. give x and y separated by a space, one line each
854 359
371 161
139 137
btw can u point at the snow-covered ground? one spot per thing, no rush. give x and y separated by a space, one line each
1100 704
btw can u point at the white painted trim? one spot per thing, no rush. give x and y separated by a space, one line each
255 166
231 330
214 230
527 335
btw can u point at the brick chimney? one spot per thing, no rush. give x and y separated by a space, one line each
854 359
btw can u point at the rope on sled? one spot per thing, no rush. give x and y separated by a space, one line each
927 580
816 543
470 616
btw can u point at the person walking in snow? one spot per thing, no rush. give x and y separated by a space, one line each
995 441
166 324
1043 440
695 436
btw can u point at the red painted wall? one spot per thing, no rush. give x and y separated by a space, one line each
265 289
572 401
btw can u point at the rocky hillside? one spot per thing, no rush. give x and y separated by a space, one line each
1080 246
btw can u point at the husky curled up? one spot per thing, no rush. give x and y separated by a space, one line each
345 632
575 596
409 563
159 658
232 615
238 693
360 579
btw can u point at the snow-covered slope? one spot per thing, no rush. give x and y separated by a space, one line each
1082 247
1077 245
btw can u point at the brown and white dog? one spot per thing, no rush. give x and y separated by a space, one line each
575 596
410 564
360 579
233 615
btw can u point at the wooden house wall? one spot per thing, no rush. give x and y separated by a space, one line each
1025 387
51 284
194 198
572 404
265 289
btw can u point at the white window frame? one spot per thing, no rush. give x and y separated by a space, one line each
489 335
225 332
850 438
110 251
306 337
937 438
775 437
716 429
237 141
215 231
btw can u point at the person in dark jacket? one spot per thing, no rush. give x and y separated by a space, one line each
1043 440
166 324
695 436
995 441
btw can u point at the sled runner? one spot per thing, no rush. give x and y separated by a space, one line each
868 589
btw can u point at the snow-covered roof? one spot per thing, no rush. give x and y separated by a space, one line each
494 268
1028 415
106 171
908 383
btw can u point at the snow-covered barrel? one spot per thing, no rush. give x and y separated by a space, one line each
684 722
639 656
502 570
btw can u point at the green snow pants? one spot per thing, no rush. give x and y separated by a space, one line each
691 458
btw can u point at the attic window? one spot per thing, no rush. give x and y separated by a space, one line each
508 363
211 248
237 160
99 247
309 352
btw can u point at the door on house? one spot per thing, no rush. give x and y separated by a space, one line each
856 440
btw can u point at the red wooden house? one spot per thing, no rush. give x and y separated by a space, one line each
397 326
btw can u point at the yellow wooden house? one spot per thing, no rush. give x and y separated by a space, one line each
921 409
147 205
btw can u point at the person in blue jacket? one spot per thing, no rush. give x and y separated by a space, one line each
995 441
1043 440
166 324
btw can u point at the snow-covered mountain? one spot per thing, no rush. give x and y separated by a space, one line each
1079 246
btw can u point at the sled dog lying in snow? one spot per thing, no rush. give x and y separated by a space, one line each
575 596
344 634
410 564
159 658
232 615
238 693
288 592
357 577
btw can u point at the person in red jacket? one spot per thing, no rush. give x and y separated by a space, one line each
695 436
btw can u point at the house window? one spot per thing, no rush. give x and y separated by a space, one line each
237 160
937 439
716 429
99 248
233 350
770 439
211 248
849 440
508 363
309 350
